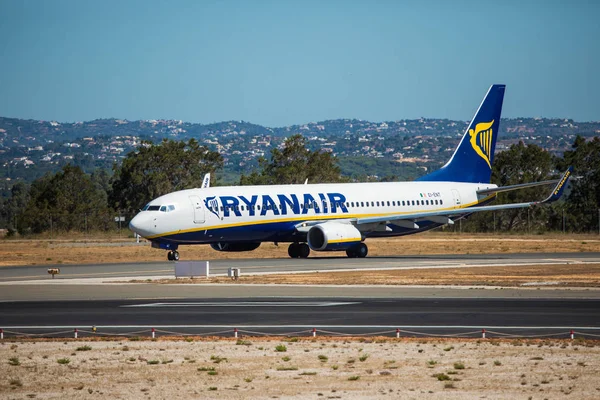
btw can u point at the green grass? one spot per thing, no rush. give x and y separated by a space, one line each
153 362
286 358
217 359
459 365
63 361
497 363
84 348
205 369
354 378
287 368
323 358
241 342
308 373
212 373
441 377
334 367
213 388
281 348
363 358
449 348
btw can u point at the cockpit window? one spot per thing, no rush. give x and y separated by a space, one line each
153 208
163 208
145 207
171 207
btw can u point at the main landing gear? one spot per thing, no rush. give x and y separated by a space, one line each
173 255
359 251
298 250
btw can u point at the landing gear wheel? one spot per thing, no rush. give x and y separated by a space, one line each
303 250
351 253
294 250
361 250
170 256
176 255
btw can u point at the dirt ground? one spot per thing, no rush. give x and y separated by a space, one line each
566 275
102 250
324 368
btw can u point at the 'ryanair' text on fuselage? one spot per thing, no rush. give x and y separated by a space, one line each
280 204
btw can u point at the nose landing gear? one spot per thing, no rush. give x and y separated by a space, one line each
173 255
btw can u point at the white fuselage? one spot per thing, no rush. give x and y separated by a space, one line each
273 213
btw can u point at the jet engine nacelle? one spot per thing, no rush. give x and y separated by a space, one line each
226 246
333 236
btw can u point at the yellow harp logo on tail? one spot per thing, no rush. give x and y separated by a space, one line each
481 140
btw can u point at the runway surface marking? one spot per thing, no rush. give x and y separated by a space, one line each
247 304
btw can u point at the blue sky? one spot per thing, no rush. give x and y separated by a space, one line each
279 63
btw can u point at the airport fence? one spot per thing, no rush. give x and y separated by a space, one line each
145 332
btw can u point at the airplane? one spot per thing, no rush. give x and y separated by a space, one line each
338 216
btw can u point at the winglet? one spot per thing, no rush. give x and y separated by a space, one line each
560 187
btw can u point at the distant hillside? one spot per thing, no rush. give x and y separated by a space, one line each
366 150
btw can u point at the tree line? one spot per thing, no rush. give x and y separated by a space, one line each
72 200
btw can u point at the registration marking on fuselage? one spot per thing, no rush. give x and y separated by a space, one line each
248 304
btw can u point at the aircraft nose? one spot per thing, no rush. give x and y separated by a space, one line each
139 224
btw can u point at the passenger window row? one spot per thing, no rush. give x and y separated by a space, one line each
398 203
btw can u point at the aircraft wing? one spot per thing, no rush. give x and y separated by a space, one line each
444 216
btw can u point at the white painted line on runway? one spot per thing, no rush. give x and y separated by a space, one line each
247 304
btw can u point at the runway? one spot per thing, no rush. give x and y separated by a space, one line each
100 295
277 315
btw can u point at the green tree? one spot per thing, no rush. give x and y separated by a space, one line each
12 206
158 169
65 201
519 164
583 201
294 164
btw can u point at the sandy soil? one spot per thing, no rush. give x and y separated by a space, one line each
324 368
96 250
565 275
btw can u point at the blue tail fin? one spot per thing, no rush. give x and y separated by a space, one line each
472 160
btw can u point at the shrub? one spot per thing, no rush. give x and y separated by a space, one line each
323 358
14 361
63 361
441 377
152 362
287 368
84 348
354 378
459 365
280 348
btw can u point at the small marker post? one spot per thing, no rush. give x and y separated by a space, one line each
75 332
1 334
397 332
314 332
153 333
572 334
483 333
235 333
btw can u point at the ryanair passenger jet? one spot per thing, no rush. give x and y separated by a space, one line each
332 216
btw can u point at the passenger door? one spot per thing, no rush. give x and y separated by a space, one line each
198 209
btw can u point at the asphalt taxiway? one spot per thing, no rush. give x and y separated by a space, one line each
101 295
